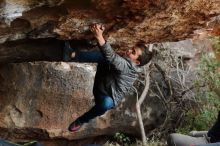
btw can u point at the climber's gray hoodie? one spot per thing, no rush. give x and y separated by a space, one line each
116 76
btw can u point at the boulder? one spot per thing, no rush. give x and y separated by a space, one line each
39 100
126 22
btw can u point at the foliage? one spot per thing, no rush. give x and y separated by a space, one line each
122 139
208 96
208 71
150 142
199 121
216 43
154 142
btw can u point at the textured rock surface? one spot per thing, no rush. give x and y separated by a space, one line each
39 100
126 21
31 50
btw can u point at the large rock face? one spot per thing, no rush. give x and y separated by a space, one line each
126 21
42 99
44 95
147 20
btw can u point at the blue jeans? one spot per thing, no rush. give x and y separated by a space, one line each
102 102
89 57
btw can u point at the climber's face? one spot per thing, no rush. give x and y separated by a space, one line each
134 54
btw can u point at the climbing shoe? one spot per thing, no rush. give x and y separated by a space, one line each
75 126
67 51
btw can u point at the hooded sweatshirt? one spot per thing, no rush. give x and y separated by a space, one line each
115 76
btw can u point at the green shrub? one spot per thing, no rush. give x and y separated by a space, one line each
152 142
208 96
122 139
216 43
208 73
199 121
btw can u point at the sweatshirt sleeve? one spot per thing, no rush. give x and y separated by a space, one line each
109 54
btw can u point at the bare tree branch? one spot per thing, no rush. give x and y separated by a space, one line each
140 101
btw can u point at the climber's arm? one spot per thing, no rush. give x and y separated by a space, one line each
106 49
